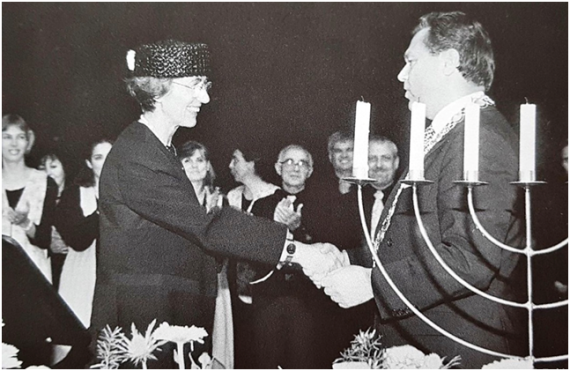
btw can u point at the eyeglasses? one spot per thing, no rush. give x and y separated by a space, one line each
291 164
202 85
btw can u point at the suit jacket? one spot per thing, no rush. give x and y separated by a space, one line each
445 215
157 243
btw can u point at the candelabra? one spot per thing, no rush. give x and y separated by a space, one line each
528 251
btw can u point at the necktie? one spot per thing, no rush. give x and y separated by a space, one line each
376 212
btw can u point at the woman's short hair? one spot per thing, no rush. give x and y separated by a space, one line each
188 149
455 30
12 119
147 89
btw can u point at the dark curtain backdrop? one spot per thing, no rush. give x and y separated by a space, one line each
283 72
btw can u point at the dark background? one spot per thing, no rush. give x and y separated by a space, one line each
283 72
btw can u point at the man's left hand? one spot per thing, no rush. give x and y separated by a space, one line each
349 286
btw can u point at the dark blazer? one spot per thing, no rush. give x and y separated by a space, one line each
445 215
77 231
157 243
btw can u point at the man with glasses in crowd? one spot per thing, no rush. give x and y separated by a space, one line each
286 302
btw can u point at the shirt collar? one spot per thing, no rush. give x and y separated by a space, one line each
446 113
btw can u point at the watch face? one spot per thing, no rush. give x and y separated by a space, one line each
291 248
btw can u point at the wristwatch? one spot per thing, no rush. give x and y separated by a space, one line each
290 250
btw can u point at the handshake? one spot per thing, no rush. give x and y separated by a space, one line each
328 268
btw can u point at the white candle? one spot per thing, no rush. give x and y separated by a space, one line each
527 144
417 141
361 131
471 143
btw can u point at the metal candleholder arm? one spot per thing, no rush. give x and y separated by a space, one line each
497 242
447 268
416 311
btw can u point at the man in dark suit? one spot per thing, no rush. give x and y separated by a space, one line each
383 163
287 307
449 64
158 244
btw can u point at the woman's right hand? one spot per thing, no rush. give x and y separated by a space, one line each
214 199
15 217
57 245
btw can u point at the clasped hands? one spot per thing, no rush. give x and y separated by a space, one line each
285 213
17 217
328 268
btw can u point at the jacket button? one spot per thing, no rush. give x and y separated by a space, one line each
389 242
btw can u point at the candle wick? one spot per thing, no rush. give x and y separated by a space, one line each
525 98
362 98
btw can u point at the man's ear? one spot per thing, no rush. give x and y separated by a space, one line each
397 163
310 173
278 168
451 60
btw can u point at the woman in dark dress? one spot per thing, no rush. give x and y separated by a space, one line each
77 220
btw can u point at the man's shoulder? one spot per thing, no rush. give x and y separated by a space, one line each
275 197
493 120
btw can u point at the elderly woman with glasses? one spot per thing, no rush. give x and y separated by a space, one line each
157 244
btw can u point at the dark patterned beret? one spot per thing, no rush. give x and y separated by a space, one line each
169 58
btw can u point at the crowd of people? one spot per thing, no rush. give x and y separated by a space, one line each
279 274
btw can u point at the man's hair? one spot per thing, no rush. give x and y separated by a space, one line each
383 139
295 146
338 136
455 30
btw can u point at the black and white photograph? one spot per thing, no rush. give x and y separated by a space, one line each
294 185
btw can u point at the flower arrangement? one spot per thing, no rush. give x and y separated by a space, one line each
181 335
114 347
10 356
110 350
364 349
366 352
510 364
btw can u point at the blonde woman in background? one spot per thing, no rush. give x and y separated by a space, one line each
29 195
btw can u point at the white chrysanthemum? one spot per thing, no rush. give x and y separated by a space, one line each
139 349
432 361
9 356
131 60
408 357
351 366
32 367
180 334
509 363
